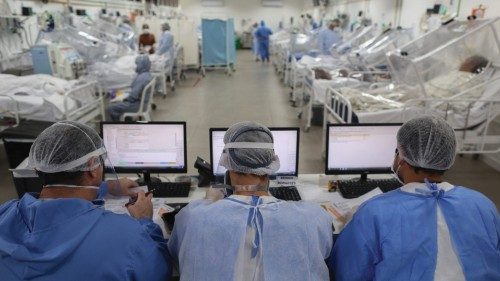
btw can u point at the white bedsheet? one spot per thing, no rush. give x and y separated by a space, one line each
320 86
43 99
456 112
120 73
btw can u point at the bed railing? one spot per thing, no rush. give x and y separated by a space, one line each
88 110
15 113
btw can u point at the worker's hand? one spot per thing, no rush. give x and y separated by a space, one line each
121 187
143 207
214 194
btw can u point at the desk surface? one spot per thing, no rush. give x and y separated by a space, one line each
311 187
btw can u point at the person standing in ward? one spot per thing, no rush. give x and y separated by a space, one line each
263 33
147 40
250 235
166 45
428 229
329 36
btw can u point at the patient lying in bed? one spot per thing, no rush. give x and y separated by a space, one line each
444 86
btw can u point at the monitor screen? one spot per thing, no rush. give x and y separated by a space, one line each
360 148
286 146
152 147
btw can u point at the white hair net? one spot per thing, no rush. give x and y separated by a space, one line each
249 149
427 142
66 147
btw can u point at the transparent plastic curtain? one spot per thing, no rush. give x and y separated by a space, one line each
91 48
420 71
304 42
358 38
105 30
430 41
375 53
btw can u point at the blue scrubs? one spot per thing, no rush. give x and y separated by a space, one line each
166 46
263 33
291 240
73 239
394 236
133 101
326 39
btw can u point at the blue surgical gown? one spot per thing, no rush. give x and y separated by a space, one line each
326 39
166 46
294 238
263 33
394 237
72 239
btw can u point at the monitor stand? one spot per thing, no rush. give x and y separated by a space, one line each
146 178
362 178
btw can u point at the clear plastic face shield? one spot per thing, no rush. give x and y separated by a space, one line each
231 165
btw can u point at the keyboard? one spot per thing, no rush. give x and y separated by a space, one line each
355 188
287 193
170 189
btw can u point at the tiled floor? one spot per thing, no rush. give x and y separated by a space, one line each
254 92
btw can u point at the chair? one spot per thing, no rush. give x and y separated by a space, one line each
145 107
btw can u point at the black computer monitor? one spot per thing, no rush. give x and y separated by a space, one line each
146 147
286 146
360 148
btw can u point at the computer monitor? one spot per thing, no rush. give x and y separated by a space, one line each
286 146
360 148
149 147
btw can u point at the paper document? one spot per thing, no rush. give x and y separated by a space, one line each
117 205
343 209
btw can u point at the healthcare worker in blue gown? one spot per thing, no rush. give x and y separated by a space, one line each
251 235
329 36
133 101
263 33
64 233
166 45
428 229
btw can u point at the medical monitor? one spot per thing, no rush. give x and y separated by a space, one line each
149 147
360 148
286 146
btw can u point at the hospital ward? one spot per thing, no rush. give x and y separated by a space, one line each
250 140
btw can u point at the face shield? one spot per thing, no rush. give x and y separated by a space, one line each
249 149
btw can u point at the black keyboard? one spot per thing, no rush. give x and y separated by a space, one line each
170 189
355 188
288 193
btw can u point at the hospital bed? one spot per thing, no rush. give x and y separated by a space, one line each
430 83
119 73
468 115
46 98
364 65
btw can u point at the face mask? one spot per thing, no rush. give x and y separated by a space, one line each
395 173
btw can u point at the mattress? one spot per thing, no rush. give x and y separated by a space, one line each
42 100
